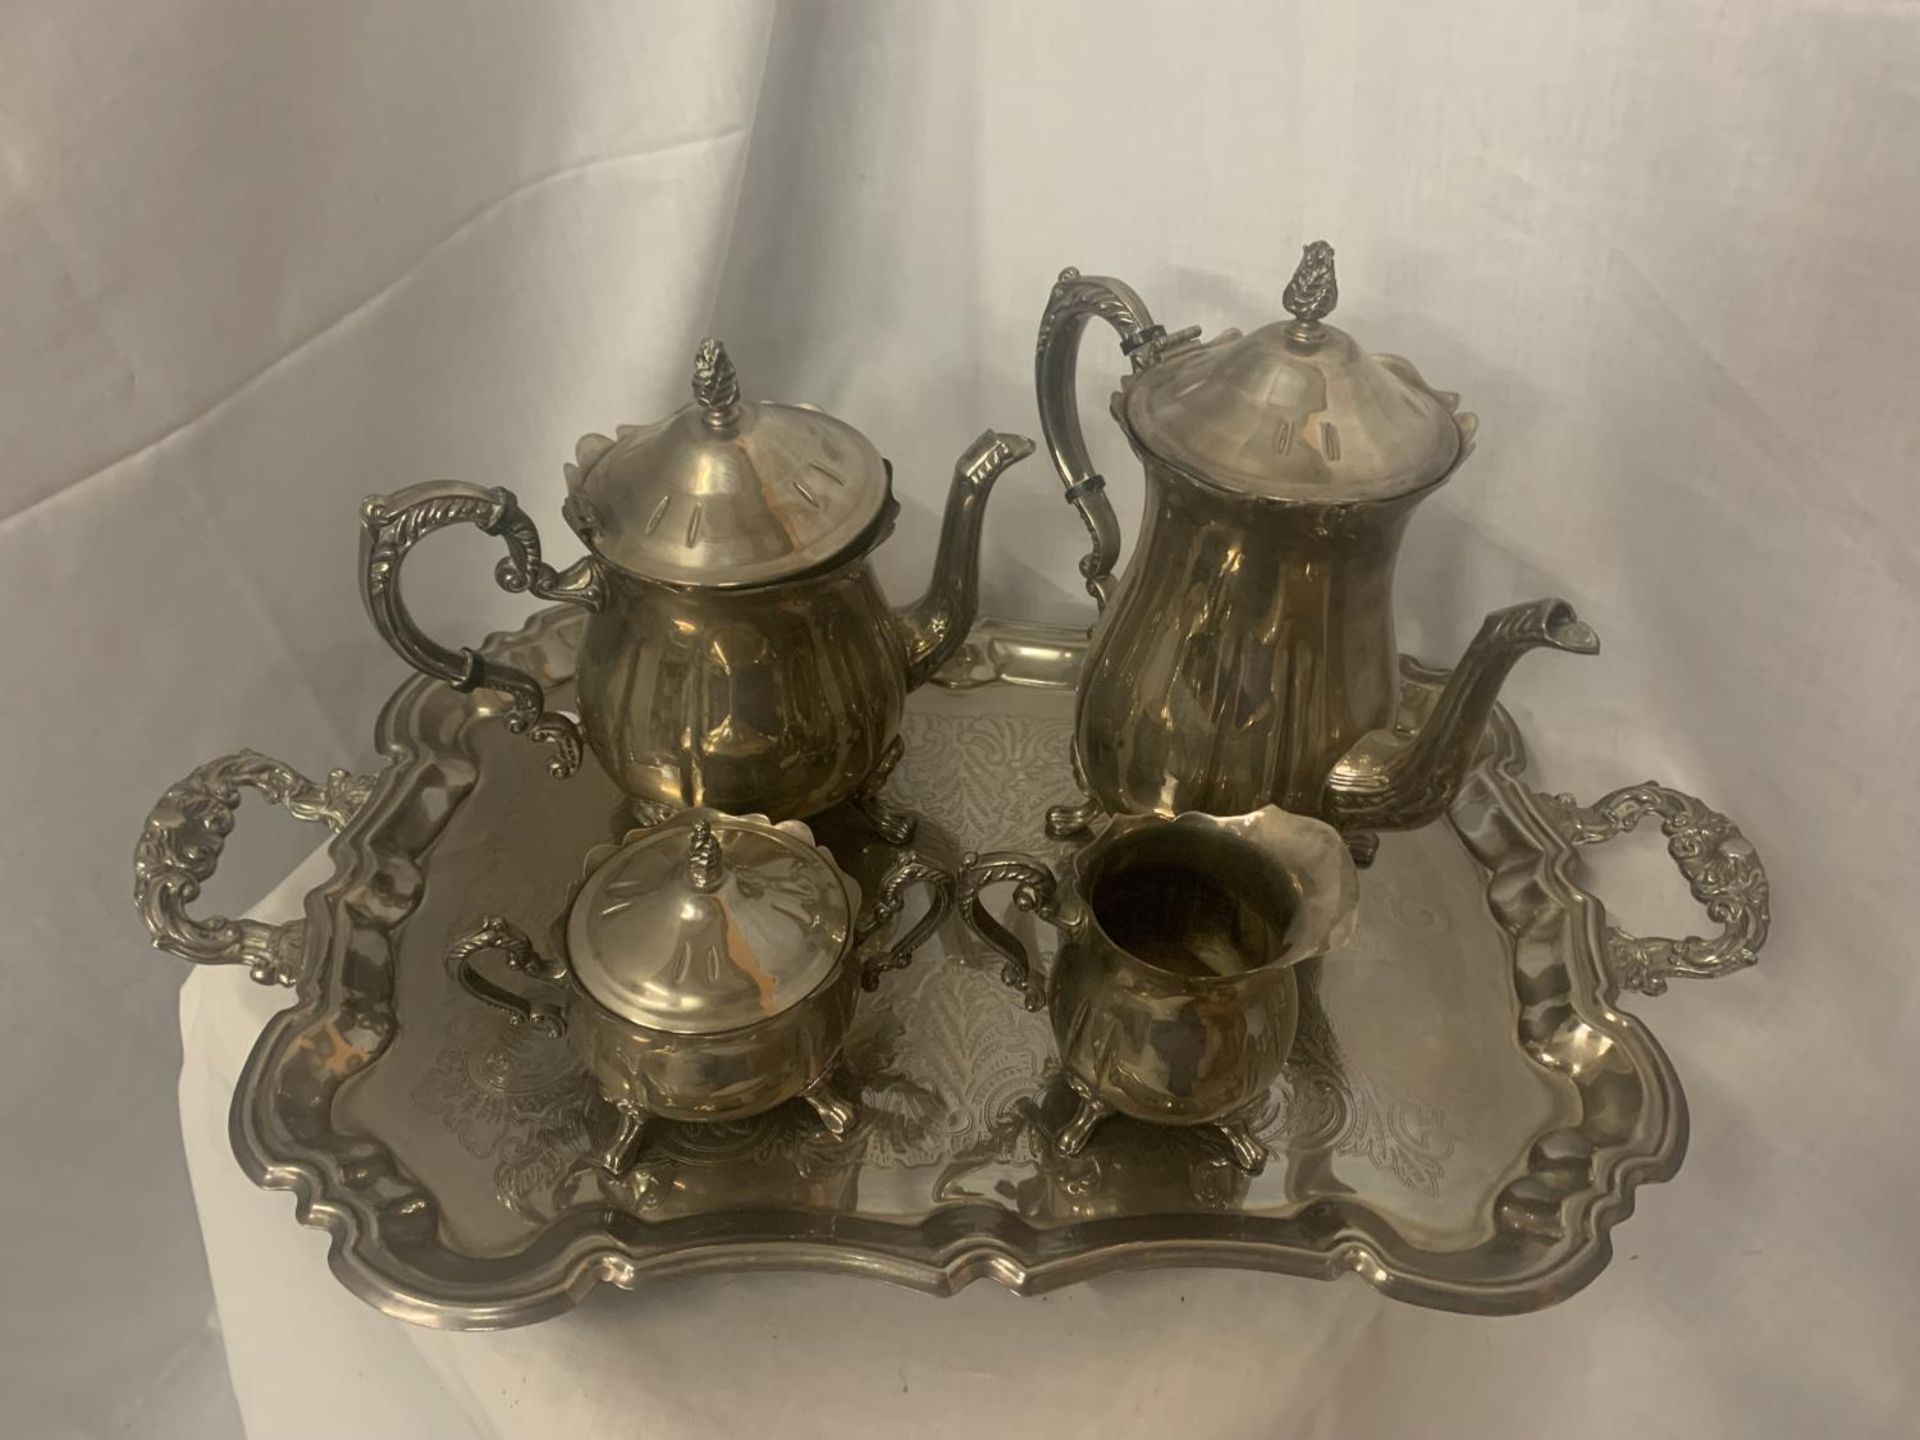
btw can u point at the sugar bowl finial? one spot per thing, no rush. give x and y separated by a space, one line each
1313 292
716 388
704 866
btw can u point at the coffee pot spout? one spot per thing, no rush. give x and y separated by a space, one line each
1399 778
936 624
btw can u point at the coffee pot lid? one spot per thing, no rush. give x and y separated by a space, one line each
726 492
1296 410
709 922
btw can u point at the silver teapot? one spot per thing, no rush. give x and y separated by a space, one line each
739 654
1247 655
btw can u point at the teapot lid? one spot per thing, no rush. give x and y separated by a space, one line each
726 492
1296 410
709 922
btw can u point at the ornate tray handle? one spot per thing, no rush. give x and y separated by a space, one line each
181 845
1722 869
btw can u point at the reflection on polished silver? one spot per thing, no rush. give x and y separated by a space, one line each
1173 996
456 1158
1723 871
740 653
712 966
1246 656
180 845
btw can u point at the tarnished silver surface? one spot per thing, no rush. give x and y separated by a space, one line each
741 654
1172 996
1463 1119
1246 655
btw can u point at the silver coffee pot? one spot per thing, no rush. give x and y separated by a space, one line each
1246 656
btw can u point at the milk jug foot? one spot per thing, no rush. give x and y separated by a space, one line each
1072 1139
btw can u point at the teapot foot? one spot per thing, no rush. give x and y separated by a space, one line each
836 1112
896 826
1363 845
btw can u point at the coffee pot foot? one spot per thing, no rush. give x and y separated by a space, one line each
1066 821
1363 845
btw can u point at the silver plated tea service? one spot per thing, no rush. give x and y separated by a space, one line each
1241 728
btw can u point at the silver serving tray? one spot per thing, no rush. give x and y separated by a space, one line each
1465 1118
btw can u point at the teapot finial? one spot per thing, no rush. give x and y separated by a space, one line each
704 868
716 388
1313 292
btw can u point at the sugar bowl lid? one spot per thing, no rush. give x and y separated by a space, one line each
710 922
1297 410
726 492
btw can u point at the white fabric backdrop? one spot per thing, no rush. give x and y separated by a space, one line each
256 261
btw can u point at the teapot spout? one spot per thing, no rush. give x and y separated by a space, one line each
936 624
1398 779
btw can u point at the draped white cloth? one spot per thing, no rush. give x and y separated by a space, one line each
259 260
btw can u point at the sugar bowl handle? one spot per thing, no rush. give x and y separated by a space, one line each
1721 867
390 526
905 872
1036 891
181 843
1076 299
518 954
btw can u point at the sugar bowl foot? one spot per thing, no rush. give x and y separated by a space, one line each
618 1157
836 1112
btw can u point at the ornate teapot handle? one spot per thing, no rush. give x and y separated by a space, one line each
1076 299
392 524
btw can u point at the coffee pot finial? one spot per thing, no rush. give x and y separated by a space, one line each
1314 289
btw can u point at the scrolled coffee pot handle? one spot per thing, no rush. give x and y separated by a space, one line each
1076 299
1035 891
390 527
